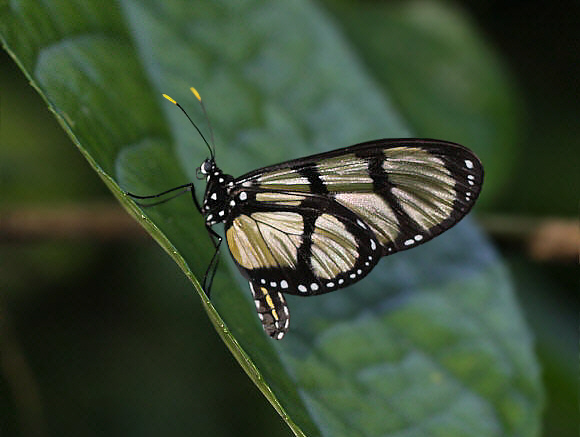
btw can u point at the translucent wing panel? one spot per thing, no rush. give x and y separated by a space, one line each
375 211
347 173
334 249
285 179
266 239
338 174
422 185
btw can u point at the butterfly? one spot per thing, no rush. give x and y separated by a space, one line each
319 223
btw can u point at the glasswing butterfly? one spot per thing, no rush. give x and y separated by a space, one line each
316 224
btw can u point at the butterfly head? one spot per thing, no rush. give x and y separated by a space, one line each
205 169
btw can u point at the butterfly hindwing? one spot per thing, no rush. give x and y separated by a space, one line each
311 247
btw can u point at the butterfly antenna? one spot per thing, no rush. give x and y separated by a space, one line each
191 121
198 97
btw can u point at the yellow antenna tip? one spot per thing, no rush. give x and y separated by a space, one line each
195 93
170 99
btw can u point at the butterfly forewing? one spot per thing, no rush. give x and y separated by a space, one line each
405 191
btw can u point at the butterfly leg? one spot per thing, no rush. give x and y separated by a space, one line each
183 189
213 264
272 310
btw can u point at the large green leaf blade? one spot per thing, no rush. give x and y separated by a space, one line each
401 353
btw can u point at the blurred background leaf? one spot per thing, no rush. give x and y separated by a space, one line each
110 330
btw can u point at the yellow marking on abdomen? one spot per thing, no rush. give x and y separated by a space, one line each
269 301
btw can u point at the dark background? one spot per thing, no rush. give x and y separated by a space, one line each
101 333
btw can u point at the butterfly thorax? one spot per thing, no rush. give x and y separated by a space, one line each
215 206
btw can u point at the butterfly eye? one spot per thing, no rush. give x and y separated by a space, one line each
204 168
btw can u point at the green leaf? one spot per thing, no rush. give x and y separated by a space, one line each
431 343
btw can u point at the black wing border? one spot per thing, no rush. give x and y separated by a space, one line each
431 145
